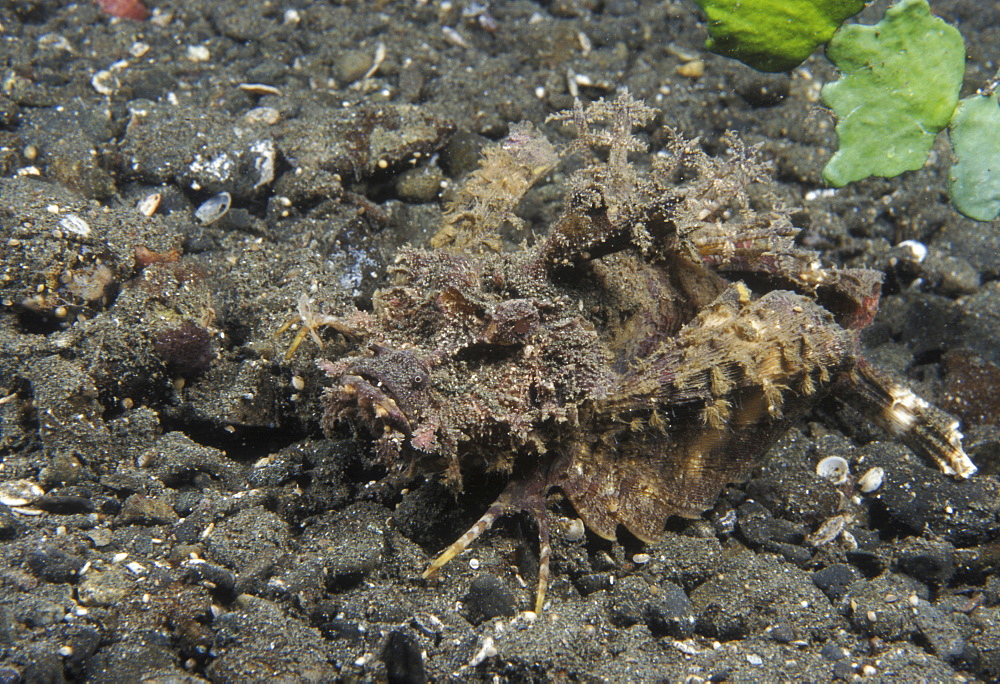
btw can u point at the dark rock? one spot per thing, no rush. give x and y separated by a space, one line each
627 600
63 505
421 184
146 510
797 495
70 155
259 640
761 529
9 112
326 461
37 610
337 551
246 536
175 459
358 141
137 658
907 662
217 579
792 553
834 580
350 543
404 664
124 483
253 578
187 531
43 667
945 639
461 154
6 627
760 89
750 592
272 472
991 591
384 604
428 514
106 586
688 561
916 498
969 381
844 670
834 652
186 502
63 468
882 607
782 633
870 563
595 581
669 612
328 616
488 597
52 564
926 560
64 391
987 645
336 628
10 526
83 641
195 148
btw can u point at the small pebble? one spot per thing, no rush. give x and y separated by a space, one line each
693 69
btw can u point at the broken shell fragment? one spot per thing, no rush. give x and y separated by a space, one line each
833 468
829 530
214 208
575 530
105 82
19 495
149 204
15 493
262 115
72 223
871 480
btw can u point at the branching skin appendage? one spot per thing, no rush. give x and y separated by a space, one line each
642 354
311 322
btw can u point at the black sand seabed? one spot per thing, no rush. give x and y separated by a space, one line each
171 510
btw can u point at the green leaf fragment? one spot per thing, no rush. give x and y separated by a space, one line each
975 142
899 87
773 35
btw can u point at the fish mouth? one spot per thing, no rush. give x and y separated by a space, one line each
374 401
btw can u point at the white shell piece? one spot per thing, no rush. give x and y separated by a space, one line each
149 204
72 223
871 480
214 208
262 115
16 493
833 468
105 82
575 530
918 250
